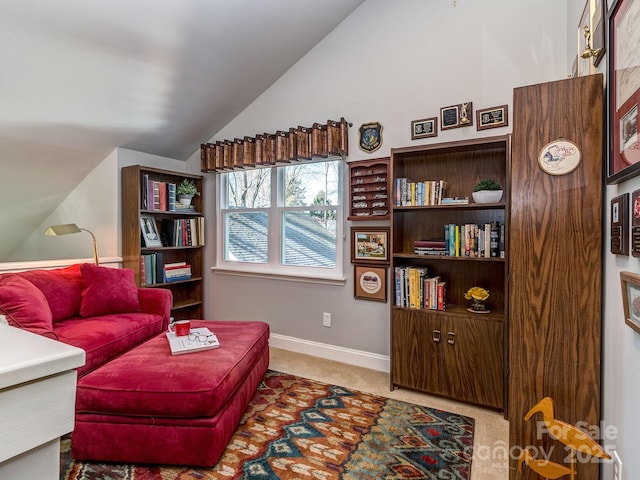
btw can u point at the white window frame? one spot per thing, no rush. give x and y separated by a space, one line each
273 268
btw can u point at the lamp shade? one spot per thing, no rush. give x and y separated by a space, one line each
57 230
67 228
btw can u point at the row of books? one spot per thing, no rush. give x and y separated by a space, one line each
475 240
413 194
415 289
174 272
158 195
430 247
182 232
153 270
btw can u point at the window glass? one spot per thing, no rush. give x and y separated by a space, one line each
249 188
282 219
309 238
246 237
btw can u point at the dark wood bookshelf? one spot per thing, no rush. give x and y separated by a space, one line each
453 352
188 296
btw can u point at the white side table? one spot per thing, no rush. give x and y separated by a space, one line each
37 402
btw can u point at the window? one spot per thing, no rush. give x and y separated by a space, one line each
284 220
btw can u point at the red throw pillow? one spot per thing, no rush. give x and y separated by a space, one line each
25 306
108 290
61 287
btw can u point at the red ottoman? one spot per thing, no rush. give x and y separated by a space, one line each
148 406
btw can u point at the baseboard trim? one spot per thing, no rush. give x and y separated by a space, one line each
350 356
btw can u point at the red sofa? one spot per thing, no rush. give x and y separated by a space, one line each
98 309
135 402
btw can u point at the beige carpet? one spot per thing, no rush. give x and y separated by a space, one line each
491 429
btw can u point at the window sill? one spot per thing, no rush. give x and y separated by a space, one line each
325 280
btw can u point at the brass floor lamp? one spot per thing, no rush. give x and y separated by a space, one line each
67 228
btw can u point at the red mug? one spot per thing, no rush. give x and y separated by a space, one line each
180 328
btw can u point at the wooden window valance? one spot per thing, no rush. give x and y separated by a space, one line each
296 144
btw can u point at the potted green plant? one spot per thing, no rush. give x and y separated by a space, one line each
186 190
487 191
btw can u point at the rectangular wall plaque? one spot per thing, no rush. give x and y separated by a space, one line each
620 225
635 223
455 116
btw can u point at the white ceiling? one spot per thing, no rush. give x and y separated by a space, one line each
79 78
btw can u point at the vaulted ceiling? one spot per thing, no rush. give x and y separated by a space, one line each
81 77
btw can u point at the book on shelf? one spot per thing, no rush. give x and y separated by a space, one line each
181 207
430 247
158 195
171 197
455 201
415 289
174 272
153 270
182 232
474 240
182 345
150 268
415 194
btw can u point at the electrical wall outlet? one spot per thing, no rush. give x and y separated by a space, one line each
617 466
326 319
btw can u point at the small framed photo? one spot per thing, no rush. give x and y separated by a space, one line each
492 117
424 128
370 245
370 283
149 230
630 284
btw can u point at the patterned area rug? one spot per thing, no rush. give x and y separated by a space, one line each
297 428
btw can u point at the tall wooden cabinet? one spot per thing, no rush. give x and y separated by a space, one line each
555 262
453 353
188 299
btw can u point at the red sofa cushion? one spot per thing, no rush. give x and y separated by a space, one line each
105 337
108 290
25 306
61 287
149 381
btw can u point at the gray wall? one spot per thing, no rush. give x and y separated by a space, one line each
391 62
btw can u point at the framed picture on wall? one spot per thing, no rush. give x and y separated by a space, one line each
492 117
598 9
370 282
630 284
370 245
623 90
424 128
620 225
584 63
635 223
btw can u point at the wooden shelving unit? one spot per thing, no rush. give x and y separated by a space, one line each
453 353
188 299
369 193
556 264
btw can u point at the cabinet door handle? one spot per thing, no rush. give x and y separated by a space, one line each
435 336
451 338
